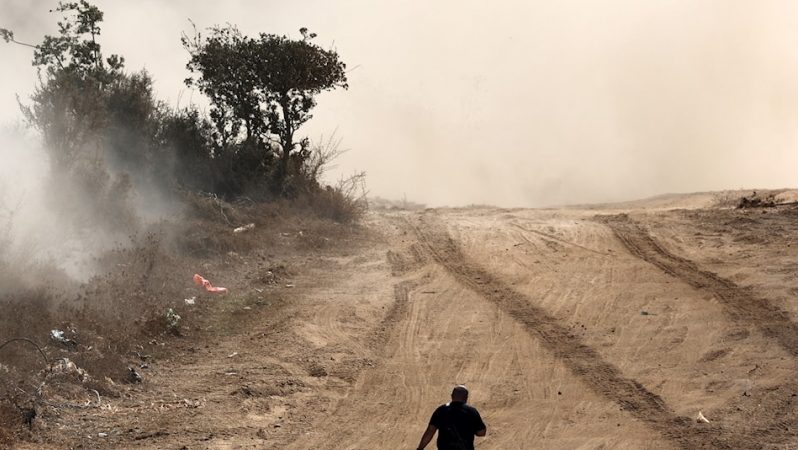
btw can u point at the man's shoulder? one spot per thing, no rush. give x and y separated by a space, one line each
470 408
442 407
463 406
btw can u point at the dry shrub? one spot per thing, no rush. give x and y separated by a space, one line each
203 240
758 200
139 284
323 154
210 207
345 202
207 228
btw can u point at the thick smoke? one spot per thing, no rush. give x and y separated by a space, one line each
35 232
48 221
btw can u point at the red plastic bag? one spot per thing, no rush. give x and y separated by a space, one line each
200 281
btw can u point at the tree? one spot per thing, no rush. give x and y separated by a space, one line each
98 123
265 86
67 105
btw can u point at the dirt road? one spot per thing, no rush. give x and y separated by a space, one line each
574 330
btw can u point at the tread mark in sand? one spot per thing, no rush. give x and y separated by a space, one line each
582 360
739 303
555 238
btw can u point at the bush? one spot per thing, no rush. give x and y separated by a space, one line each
345 202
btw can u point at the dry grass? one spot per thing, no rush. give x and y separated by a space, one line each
117 313
346 202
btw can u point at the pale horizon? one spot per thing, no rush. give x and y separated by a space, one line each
521 104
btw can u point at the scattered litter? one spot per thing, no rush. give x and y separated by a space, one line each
134 376
192 403
289 285
200 281
191 300
170 405
247 227
247 308
64 365
102 435
701 418
259 291
231 355
172 318
646 313
58 336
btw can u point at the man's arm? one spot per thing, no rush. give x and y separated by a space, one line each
427 436
482 430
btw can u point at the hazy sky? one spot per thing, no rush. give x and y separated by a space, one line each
514 103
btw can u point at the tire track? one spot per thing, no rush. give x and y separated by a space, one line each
741 304
583 361
556 239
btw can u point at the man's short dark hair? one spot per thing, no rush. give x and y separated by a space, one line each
460 391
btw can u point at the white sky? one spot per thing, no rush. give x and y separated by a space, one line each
514 103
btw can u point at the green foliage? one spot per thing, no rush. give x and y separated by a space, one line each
75 48
71 105
97 122
263 90
105 130
7 35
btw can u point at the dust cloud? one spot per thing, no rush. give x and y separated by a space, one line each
512 103
48 223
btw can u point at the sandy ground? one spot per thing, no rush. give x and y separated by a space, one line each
573 328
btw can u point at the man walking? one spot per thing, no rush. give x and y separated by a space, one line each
456 423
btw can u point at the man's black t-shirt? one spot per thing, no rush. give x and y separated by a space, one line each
457 423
